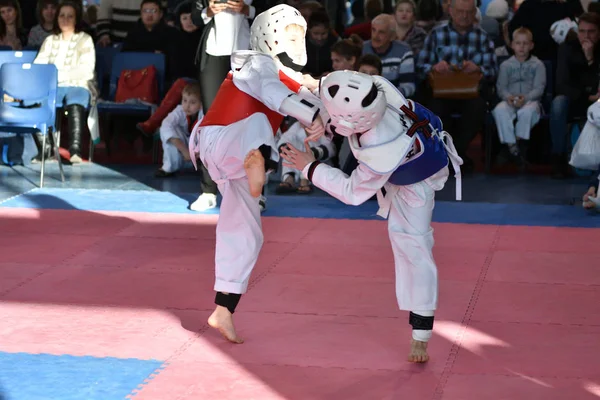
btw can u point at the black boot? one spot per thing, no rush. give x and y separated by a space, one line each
76 117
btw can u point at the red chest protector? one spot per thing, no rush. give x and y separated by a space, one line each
232 105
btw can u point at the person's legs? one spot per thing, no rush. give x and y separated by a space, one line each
76 101
559 119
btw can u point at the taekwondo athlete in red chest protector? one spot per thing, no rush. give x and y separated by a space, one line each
236 143
401 147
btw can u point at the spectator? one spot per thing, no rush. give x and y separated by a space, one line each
396 57
406 29
226 29
182 66
116 18
320 38
366 13
370 64
72 52
538 16
46 11
521 83
345 53
11 25
429 12
150 34
176 129
462 44
576 86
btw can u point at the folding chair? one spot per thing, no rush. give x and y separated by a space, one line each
32 84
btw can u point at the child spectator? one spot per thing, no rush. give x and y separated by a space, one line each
520 85
345 53
176 129
370 64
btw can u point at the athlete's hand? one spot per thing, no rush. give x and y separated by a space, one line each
315 131
295 158
309 82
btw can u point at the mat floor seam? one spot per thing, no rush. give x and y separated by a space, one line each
18 195
457 342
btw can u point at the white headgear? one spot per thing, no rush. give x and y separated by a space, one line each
593 114
268 35
560 29
353 101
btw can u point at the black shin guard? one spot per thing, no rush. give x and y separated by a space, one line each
229 301
266 153
420 322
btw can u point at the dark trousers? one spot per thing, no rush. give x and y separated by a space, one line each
472 117
214 73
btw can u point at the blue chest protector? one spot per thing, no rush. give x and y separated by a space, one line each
428 155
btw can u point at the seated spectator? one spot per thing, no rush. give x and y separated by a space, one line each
150 34
464 46
182 67
406 29
345 53
72 52
520 85
370 64
319 39
396 57
11 25
576 87
176 129
46 11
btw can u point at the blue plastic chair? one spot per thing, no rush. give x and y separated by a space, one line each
32 84
5 48
133 60
17 57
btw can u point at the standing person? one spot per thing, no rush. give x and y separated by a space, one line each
226 30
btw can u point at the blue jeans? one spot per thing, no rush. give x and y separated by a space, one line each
69 95
559 119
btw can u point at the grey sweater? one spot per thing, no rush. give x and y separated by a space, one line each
527 78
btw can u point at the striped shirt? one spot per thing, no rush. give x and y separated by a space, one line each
398 65
444 43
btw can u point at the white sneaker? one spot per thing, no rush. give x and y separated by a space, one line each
205 201
262 203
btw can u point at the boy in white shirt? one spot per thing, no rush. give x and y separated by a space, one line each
175 131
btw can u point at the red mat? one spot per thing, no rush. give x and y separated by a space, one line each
518 315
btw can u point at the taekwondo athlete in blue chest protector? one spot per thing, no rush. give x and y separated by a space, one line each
400 146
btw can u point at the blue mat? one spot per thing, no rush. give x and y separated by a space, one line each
305 207
48 377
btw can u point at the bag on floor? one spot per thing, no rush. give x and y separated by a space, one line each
11 149
586 153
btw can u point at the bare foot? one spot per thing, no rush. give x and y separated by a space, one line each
418 352
254 164
222 320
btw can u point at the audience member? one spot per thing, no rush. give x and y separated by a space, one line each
46 11
116 18
72 52
345 53
576 86
319 39
176 129
463 46
520 86
11 25
370 64
406 29
396 57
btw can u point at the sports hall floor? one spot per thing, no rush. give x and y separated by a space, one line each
106 284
